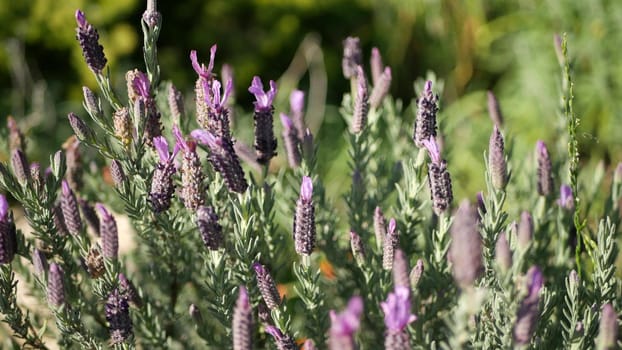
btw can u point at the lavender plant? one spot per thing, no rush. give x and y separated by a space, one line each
230 256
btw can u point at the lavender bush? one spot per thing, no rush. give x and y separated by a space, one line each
243 249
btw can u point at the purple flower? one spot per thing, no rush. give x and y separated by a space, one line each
283 341
88 38
528 312
69 206
291 141
266 286
162 186
352 57
348 321
361 102
242 322
358 249
141 85
213 97
381 88
496 160
56 286
465 250
438 178
608 328
400 269
396 310
109 232
175 101
264 99
566 199
8 238
494 110
380 230
544 172
389 245
117 312
525 230
192 192
209 228
224 159
375 62
425 124
203 72
433 150
296 105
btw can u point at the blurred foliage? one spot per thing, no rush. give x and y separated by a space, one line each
473 46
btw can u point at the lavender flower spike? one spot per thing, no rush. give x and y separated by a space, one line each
352 57
109 232
465 251
117 312
203 72
8 238
88 39
361 102
192 192
566 199
162 182
376 65
608 328
296 105
389 245
343 325
496 160
545 176
438 178
283 341
400 269
304 220
291 142
242 322
528 312
358 249
223 159
266 286
209 228
425 124
56 286
381 88
524 234
20 166
494 110
69 206
397 316
380 230
265 143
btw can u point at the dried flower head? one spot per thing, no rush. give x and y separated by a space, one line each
266 286
465 250
425 123
352 57
304 220
496 160
242 322
358 249
344 325
94 262
88 38
545 175
123 128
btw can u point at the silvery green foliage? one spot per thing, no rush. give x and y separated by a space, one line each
195 248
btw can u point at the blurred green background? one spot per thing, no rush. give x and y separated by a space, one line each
472 46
